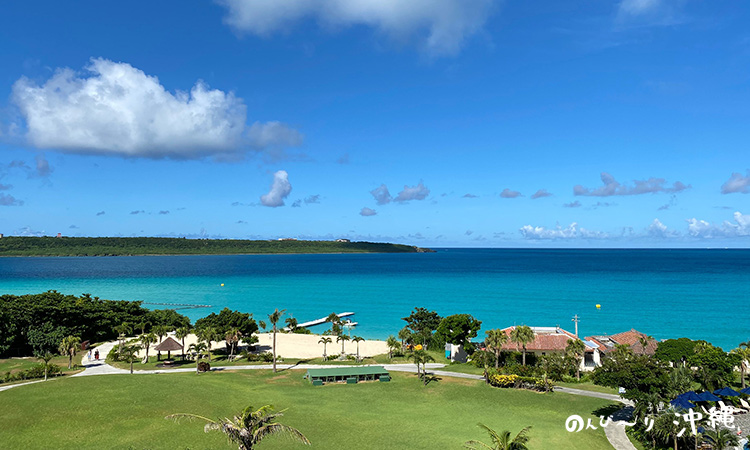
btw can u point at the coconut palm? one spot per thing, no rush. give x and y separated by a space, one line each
357 339
325 341
720 438
576 350
665 427
274 318
198 347
743 351
522 335
291 324
343 338
146 340
421 357
502 440
406 336
122 330
393 345
207 335
129 354
181 333
161 331
69 347
142 325
494 341
46 358
248 428
232 337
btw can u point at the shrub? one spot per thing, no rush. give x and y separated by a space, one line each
500 380
203 366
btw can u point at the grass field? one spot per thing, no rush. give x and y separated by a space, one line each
127 411
14 365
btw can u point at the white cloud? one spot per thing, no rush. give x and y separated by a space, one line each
381 195
366 212
440 26
418 192
469 196
613 187
280 189
650 13
9 200
638 7
659 230
43 168
737 183
706 230
575 204
117 109
507 193
572 231
540 193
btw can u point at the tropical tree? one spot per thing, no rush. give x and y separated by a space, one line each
122 330
336 324
232 337
720 438
494 341
69 347
129 354
207 335
146 340
421 357
666 428
248 428
576 350
161 331
502 440
342 338
644 341
198 347
393 345
181 333
291 323
458 329
357 339
522 335
274 318
422 323
406 336
325 341
46 358
142 325
743 351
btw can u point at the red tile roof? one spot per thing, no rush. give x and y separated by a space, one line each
630 338
546 340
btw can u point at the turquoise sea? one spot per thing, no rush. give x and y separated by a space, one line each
701 294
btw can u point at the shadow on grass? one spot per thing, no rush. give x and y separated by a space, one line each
616 410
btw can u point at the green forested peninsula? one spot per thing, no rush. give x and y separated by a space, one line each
119 246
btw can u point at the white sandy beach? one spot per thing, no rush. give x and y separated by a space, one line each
295 345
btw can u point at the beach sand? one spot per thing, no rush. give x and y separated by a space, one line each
289 345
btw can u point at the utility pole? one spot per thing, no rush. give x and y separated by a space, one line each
576 319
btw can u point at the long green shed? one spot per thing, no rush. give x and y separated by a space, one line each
343 374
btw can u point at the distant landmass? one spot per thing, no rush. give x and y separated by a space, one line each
122 246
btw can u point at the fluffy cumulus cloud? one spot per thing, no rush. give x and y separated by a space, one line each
381 195
540 194
280 189
367 212
508 193
659 230
737 183
740 227
418 192
114 108
612 187
440 26
572 231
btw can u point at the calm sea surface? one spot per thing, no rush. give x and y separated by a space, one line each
701 294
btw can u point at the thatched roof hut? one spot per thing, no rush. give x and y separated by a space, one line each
168 345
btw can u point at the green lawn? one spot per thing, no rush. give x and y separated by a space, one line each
588 386
14 365
127 411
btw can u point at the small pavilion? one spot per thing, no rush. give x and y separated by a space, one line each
168 345
348 375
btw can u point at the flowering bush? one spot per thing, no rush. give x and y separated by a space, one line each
500 380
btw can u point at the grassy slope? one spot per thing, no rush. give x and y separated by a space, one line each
107 246
126 411
14 365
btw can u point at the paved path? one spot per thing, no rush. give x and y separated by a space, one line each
615 432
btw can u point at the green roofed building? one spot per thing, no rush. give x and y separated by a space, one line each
349 375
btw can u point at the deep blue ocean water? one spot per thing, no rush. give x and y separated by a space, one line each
701 294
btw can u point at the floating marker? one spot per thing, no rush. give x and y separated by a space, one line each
222 285
598 306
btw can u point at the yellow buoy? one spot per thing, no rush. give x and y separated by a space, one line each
222 285
598 306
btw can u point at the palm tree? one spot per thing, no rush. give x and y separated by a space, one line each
343 338
291 323
69 347
198 347
248 428
146 341
720 438
161 331
665 427
743 351
522 335
232 338
335 323
129 354
325 341
46 358
181 333
502 440
421 357
274 318
357 339
393 345
142 325
121 330
644 341
495 340
576 349
406 336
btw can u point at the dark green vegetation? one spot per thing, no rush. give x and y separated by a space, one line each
123 411
117 246
37 323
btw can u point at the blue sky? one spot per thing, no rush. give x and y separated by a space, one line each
436 123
